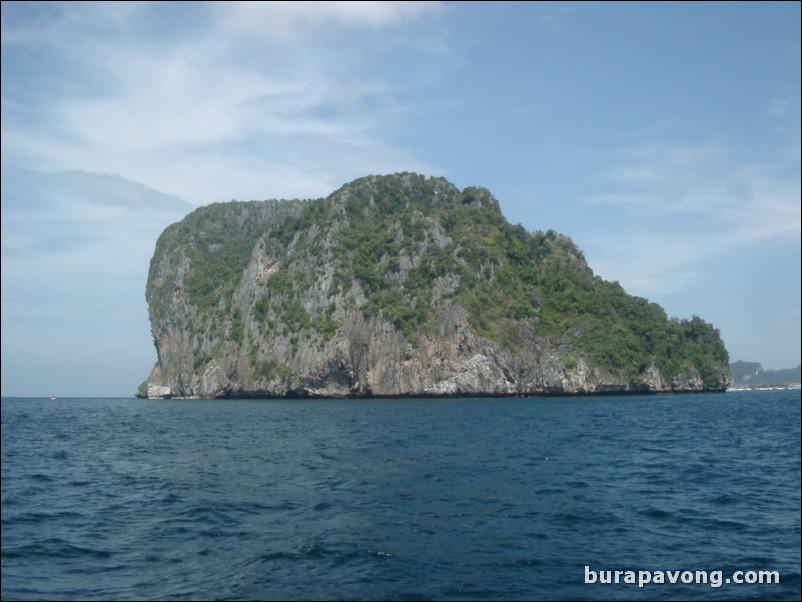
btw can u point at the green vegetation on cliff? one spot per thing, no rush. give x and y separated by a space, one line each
398 249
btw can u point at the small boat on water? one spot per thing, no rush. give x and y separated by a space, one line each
52 397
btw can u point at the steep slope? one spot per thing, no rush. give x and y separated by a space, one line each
402 285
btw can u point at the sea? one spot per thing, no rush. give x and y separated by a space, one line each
681 497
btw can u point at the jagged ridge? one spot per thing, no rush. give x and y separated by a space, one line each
402 285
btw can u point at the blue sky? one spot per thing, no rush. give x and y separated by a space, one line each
663 138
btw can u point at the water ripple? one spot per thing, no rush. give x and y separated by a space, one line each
397 499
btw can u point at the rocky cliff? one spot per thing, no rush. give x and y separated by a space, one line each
402 285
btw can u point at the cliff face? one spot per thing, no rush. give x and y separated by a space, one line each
402 285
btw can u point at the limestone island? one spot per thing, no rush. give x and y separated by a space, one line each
402 285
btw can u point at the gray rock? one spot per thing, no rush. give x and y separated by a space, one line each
159 392
291 322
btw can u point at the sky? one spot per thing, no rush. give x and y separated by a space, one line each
663 138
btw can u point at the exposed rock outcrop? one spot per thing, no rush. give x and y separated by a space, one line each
159 392
402 286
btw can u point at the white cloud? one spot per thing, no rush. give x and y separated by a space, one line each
784 108
753 201
208 102
283 21
76 250
218 114
683 207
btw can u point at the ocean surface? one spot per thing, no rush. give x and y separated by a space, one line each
497 499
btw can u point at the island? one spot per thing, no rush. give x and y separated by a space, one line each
751 375
402 285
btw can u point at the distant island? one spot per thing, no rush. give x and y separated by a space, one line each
750 375
402 285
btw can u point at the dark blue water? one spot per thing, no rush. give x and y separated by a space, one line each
398 499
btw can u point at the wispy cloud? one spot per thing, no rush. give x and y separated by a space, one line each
551 16
223 113
680 206
202 101
76 250
666 163
784 109
76 232
290 20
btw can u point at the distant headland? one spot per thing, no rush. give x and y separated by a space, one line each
751 375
